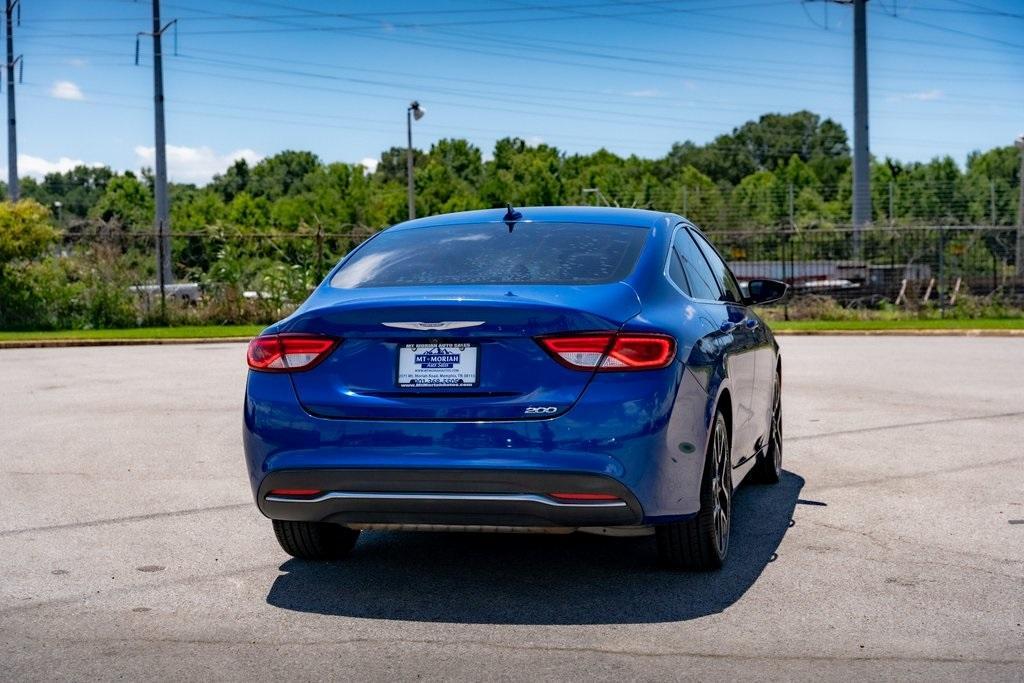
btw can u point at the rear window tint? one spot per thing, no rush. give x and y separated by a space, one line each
532 253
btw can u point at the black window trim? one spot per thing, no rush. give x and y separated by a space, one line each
728 270
671 253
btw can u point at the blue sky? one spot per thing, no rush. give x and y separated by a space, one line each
253 77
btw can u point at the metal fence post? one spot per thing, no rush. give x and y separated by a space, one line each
792 222
942 268
160 247
786 243
1019 255
892 203
319 253
992 202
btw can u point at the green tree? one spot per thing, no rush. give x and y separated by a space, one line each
127 201
757 201
77 190
233 182
523 175
449 177
392 165
25 230
700 199
990 186
282 175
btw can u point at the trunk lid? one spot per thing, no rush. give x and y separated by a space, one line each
481 335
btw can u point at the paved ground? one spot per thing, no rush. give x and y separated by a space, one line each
129 547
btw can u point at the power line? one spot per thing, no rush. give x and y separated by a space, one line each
955 31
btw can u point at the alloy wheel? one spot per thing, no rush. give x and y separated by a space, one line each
721 490
776 437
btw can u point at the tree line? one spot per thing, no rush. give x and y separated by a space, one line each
275 226
781 170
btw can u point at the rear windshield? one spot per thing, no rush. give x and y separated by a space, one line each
532 253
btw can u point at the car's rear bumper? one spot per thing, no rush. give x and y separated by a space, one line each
642 437
447 497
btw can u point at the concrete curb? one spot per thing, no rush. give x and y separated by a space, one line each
67 343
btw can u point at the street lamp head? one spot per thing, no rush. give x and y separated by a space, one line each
57 204
417 110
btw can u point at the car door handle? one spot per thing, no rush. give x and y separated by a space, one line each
751 323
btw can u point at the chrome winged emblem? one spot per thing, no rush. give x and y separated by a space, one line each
446 325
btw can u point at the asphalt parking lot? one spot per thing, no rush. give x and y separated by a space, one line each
130 547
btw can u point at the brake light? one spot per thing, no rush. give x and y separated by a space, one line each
288 352
610 351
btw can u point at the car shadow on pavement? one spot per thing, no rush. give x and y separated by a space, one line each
533 579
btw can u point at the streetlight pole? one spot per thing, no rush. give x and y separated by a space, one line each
414 111
1020 210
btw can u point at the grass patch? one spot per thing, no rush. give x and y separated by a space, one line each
184 332
911 324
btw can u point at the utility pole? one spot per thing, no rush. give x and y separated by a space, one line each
861 153
161 221
414 111
12 135
1020 210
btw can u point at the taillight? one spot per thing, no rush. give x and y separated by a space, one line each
610 351
288 352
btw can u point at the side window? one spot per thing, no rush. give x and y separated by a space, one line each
723 276
675 271
698 274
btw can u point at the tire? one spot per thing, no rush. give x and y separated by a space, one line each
768 468
315 540
701 543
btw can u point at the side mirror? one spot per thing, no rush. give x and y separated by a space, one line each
765 291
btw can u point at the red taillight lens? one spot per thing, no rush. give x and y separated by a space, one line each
288 352
609 351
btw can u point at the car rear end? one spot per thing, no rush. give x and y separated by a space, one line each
479 375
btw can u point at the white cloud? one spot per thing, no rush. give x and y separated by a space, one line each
370 164
195 164
78 62
534 141
649 92
66 90
37 167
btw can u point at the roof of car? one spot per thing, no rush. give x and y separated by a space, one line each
545 214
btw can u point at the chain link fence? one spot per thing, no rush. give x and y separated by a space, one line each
101 275
897 265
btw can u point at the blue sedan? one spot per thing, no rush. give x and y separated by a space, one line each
540 370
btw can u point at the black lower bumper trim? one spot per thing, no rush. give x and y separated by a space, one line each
451 497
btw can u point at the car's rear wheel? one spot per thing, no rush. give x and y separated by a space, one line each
768 468
702 542
315 540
